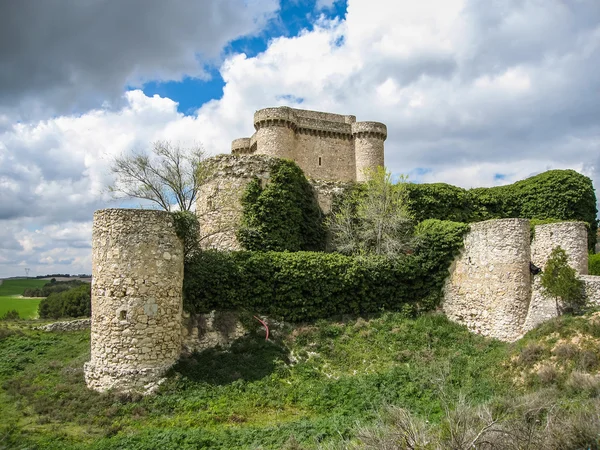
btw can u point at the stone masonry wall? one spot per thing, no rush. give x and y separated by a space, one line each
137 266
330 147
218 206
491 289
326 158
571 237
488 289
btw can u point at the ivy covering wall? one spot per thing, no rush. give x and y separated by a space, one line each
556 194
283 215
281 274
303 286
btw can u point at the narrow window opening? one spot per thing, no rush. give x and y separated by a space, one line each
319 160
123 315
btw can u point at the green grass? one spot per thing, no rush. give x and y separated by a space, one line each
16 286
9 289
312 384
26 307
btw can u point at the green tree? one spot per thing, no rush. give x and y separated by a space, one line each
374 218
560 281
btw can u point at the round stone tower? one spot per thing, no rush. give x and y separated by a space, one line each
368 146
570 236
240 146
276 132
137 267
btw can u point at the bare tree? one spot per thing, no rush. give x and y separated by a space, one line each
374 218
169 175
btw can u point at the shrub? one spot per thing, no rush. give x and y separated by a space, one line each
559 280
565 352
594 264
584 382
530 354
51 288
373 219
547 374
310 285
588 360
440 201
13 314
72 303
556 194
282 216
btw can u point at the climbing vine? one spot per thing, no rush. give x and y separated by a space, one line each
283 215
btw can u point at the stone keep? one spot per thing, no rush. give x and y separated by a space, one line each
137 266
326 146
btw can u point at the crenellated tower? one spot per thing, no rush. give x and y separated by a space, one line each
368 147
326 146
275 132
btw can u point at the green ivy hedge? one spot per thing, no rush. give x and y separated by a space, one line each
283 215
556 194
301 286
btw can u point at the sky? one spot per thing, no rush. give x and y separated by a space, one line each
473 92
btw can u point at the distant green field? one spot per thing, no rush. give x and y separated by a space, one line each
27 307
16 286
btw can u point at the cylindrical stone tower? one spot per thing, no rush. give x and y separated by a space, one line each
488 289
570 236
276 132
218 204
137 267
368 146
240 146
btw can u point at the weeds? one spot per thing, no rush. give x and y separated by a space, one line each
384 381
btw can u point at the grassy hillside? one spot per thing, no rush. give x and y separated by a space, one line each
16 286
11 288
327 385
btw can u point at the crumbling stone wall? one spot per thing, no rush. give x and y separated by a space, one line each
489 285
137 267
572 238
491 288
67 325
218 205
326 146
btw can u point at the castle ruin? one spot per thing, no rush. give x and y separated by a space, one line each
138 329
331 149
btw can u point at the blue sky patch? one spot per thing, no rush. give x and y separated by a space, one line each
294 16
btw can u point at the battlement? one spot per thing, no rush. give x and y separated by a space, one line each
370 129
326 146
240 146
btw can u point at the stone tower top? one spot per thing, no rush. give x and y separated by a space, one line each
326 146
